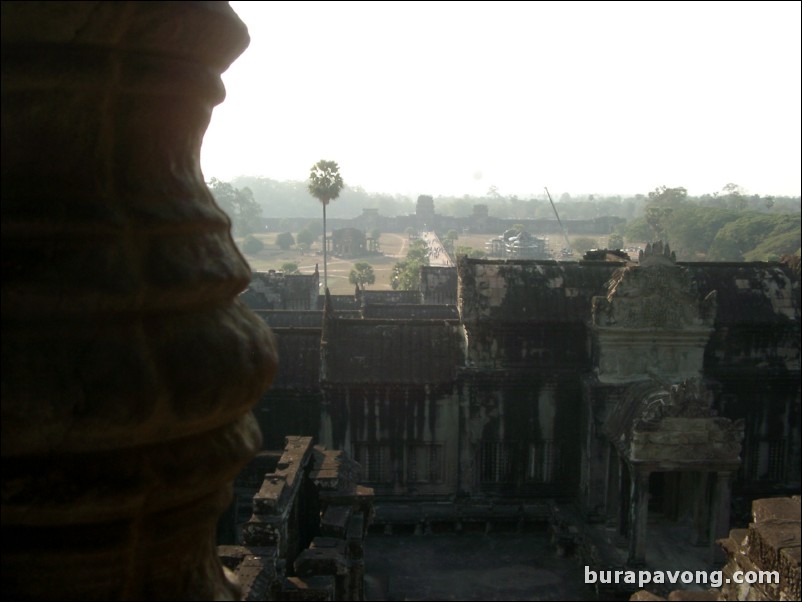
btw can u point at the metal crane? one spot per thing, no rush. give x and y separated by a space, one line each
559 221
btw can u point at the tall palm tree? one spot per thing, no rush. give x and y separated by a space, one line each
325 184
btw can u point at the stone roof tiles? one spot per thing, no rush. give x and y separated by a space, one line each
391 351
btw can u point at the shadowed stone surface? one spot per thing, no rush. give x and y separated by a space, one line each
470 567
129 368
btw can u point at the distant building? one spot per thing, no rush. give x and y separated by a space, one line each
479 222
349 242
514 244
277 290
424 212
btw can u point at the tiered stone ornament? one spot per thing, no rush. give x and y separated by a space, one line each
652 321
128 365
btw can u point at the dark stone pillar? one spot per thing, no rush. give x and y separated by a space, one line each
720 511
129 367
466 475
638 516
624 487
701 509
613 501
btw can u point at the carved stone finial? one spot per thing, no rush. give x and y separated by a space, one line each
690 399
129 364
657 253
328 308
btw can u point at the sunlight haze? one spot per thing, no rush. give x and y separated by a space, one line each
452 98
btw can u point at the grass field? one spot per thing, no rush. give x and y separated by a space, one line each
394 247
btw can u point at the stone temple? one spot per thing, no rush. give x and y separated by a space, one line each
499 391
604 382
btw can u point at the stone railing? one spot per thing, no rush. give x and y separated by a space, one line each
305 540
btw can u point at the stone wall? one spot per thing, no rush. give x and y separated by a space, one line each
770 543
305 539
438 285
504 384
276 290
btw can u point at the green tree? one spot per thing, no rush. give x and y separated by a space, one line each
657 218
406 275
239 205
252 245
410 231
290 268
713 233
734 196
361 275
449 239
755 236
325 184
285 240
693 229
315 228
470 252
306 236
670 197
615 241
419 252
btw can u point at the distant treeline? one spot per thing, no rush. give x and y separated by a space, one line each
699 233
292 199
728 225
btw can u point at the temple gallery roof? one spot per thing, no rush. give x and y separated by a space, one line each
387 351
391 337
747 293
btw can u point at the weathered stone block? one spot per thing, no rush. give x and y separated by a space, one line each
267 500
316 587
785 508
767 539
645 596
664 437
326 556
700 596
334 522
683 425
790 572
257 532
256 576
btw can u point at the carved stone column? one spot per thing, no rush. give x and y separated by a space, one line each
128 366
613 499
638 516
701 509
624 495
720 511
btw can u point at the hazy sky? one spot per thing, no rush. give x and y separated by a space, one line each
452 98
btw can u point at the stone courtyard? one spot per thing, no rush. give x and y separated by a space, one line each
500 566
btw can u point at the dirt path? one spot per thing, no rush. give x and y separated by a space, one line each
404 244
